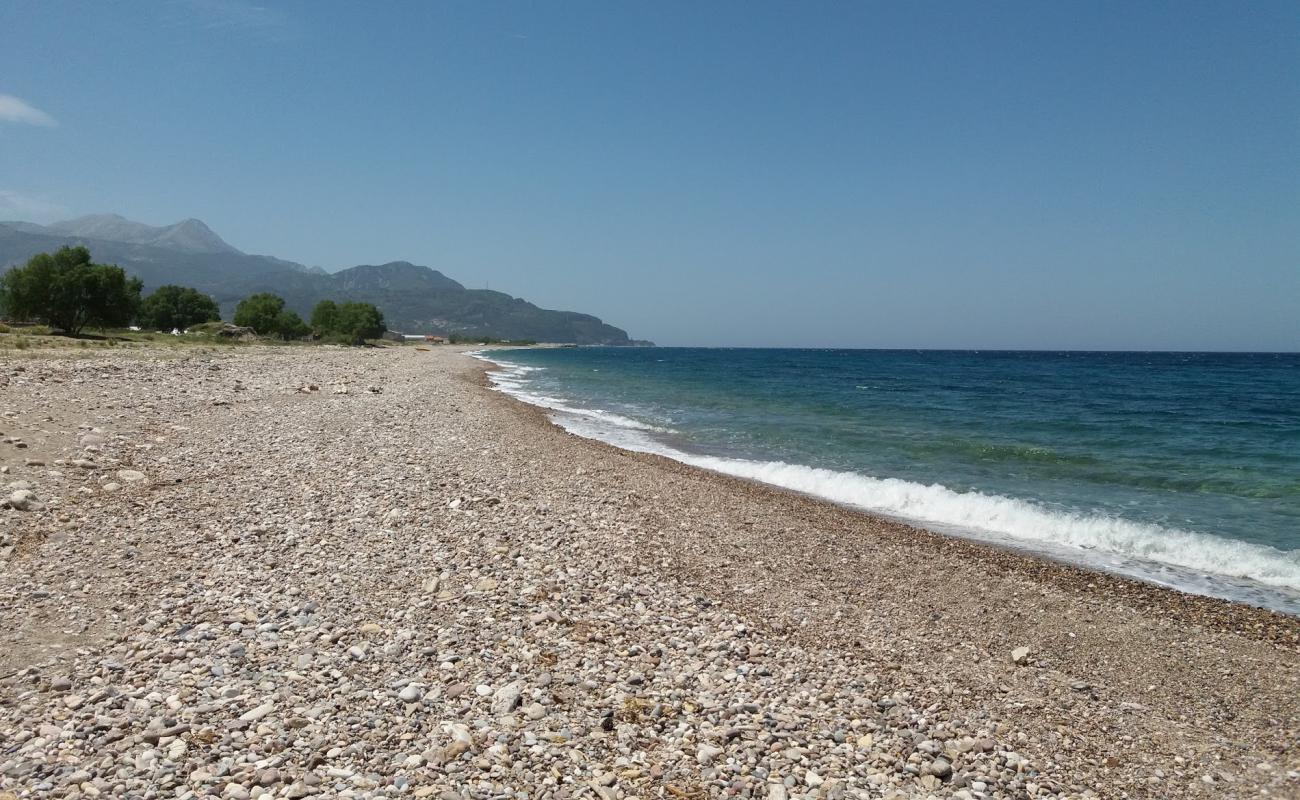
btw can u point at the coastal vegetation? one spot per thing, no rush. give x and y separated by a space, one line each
177 308
348 323
66 290
265 314
409 295
456 339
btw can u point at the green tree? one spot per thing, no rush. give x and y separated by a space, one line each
260 312
347 322
359 321
265 313
289 325
66 291
325 317
177 307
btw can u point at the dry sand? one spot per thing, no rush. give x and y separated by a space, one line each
401 583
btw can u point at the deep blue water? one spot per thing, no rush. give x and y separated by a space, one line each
1182 468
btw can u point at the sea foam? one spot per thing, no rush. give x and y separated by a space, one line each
1187 560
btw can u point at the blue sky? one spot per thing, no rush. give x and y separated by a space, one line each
1039 175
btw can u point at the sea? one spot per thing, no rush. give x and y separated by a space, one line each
1182 469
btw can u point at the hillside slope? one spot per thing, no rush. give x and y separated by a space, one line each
414 299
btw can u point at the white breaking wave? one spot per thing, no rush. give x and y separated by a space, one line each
511 380
996 516
1185 559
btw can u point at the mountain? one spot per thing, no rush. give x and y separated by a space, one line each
414 299
425 300
187 236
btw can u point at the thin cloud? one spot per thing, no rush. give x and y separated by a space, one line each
237 16
25 208
15 109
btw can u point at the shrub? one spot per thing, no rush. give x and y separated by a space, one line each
67 291
177 307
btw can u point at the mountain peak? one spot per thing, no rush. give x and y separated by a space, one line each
398 276
189 235
194 236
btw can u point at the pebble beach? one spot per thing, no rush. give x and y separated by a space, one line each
290 572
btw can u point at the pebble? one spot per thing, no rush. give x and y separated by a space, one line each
254 714
23 500
409 694
506 698
707 753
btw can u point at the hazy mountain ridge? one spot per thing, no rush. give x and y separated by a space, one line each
189 235
414 299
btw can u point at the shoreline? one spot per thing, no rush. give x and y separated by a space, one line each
364 573
1227 614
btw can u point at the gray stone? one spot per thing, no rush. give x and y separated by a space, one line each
707 753
257 713
506 698
24 500
78 777
409 694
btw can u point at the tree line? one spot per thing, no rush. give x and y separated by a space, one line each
348 323
69 292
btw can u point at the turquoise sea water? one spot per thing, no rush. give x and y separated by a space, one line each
1180 468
